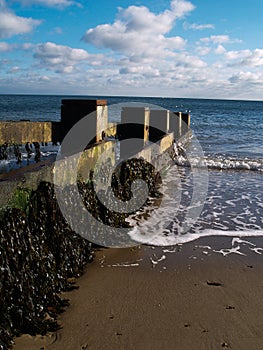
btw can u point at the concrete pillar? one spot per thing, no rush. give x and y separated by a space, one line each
159 124
56 132
185 122
133 130
175 124
72 110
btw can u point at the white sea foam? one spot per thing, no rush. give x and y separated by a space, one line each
170 240
124 265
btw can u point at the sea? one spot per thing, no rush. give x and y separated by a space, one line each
215 188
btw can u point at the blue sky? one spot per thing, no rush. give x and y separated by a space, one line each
178 48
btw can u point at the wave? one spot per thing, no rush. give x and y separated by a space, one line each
186 158
162 240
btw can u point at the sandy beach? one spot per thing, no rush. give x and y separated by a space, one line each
182 297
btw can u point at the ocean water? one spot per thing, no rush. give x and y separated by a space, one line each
229 134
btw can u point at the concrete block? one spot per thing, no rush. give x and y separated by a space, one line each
72 110
175 124
159 124
134 130
185 122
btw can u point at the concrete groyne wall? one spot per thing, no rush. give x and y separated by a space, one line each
40 253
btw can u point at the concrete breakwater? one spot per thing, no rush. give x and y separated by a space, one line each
40 253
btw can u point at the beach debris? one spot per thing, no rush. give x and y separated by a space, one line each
3 151
17 154
238 240
229 307
101 261
214 283
28 150
233 250
124 265
38 153
174 250
155 262
257 250
192 257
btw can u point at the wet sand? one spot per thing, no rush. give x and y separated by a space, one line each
186 297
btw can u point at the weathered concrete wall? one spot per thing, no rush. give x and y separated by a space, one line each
103 152
25 131
154 151
30 177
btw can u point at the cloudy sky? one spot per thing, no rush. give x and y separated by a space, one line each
178 48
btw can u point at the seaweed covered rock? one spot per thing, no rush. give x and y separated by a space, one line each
38 254
39 251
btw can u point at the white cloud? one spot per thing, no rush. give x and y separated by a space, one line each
214 43
26 46
10 24
180 8
220 50
139 33
203 50
246 77
189 61
60 58
219 39
5 47
196 26
14 69
216 39
48 3
44 78
250 58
